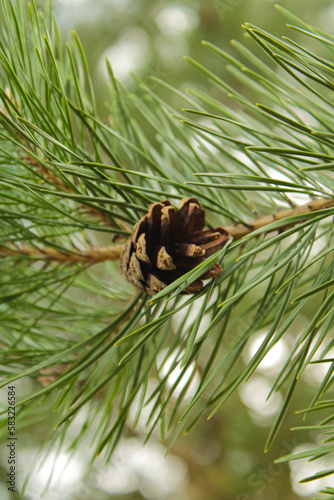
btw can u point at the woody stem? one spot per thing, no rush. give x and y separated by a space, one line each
242 230
90 256
95 255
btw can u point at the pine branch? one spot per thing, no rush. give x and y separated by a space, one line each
89 257
97 255
57 156
260 224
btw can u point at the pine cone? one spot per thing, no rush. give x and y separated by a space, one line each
167 243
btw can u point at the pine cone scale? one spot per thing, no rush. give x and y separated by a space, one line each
167 228
139 229
141 251
154 285
213 246
188 250
213 272
190 217
203 237
196 286
136 272
164 260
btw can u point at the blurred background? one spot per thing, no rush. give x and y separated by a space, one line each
221 459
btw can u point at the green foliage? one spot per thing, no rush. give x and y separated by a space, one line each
69 181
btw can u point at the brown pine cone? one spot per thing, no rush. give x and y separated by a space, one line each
167 243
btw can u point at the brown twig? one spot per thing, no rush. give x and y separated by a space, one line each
241 230
97 255
89 257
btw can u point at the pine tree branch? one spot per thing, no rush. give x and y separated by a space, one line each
96 255
90 256
241 230
49 121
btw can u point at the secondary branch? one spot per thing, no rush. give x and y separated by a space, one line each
90 256
242 230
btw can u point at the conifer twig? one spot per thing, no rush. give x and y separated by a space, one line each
96 255
242 230
90 256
